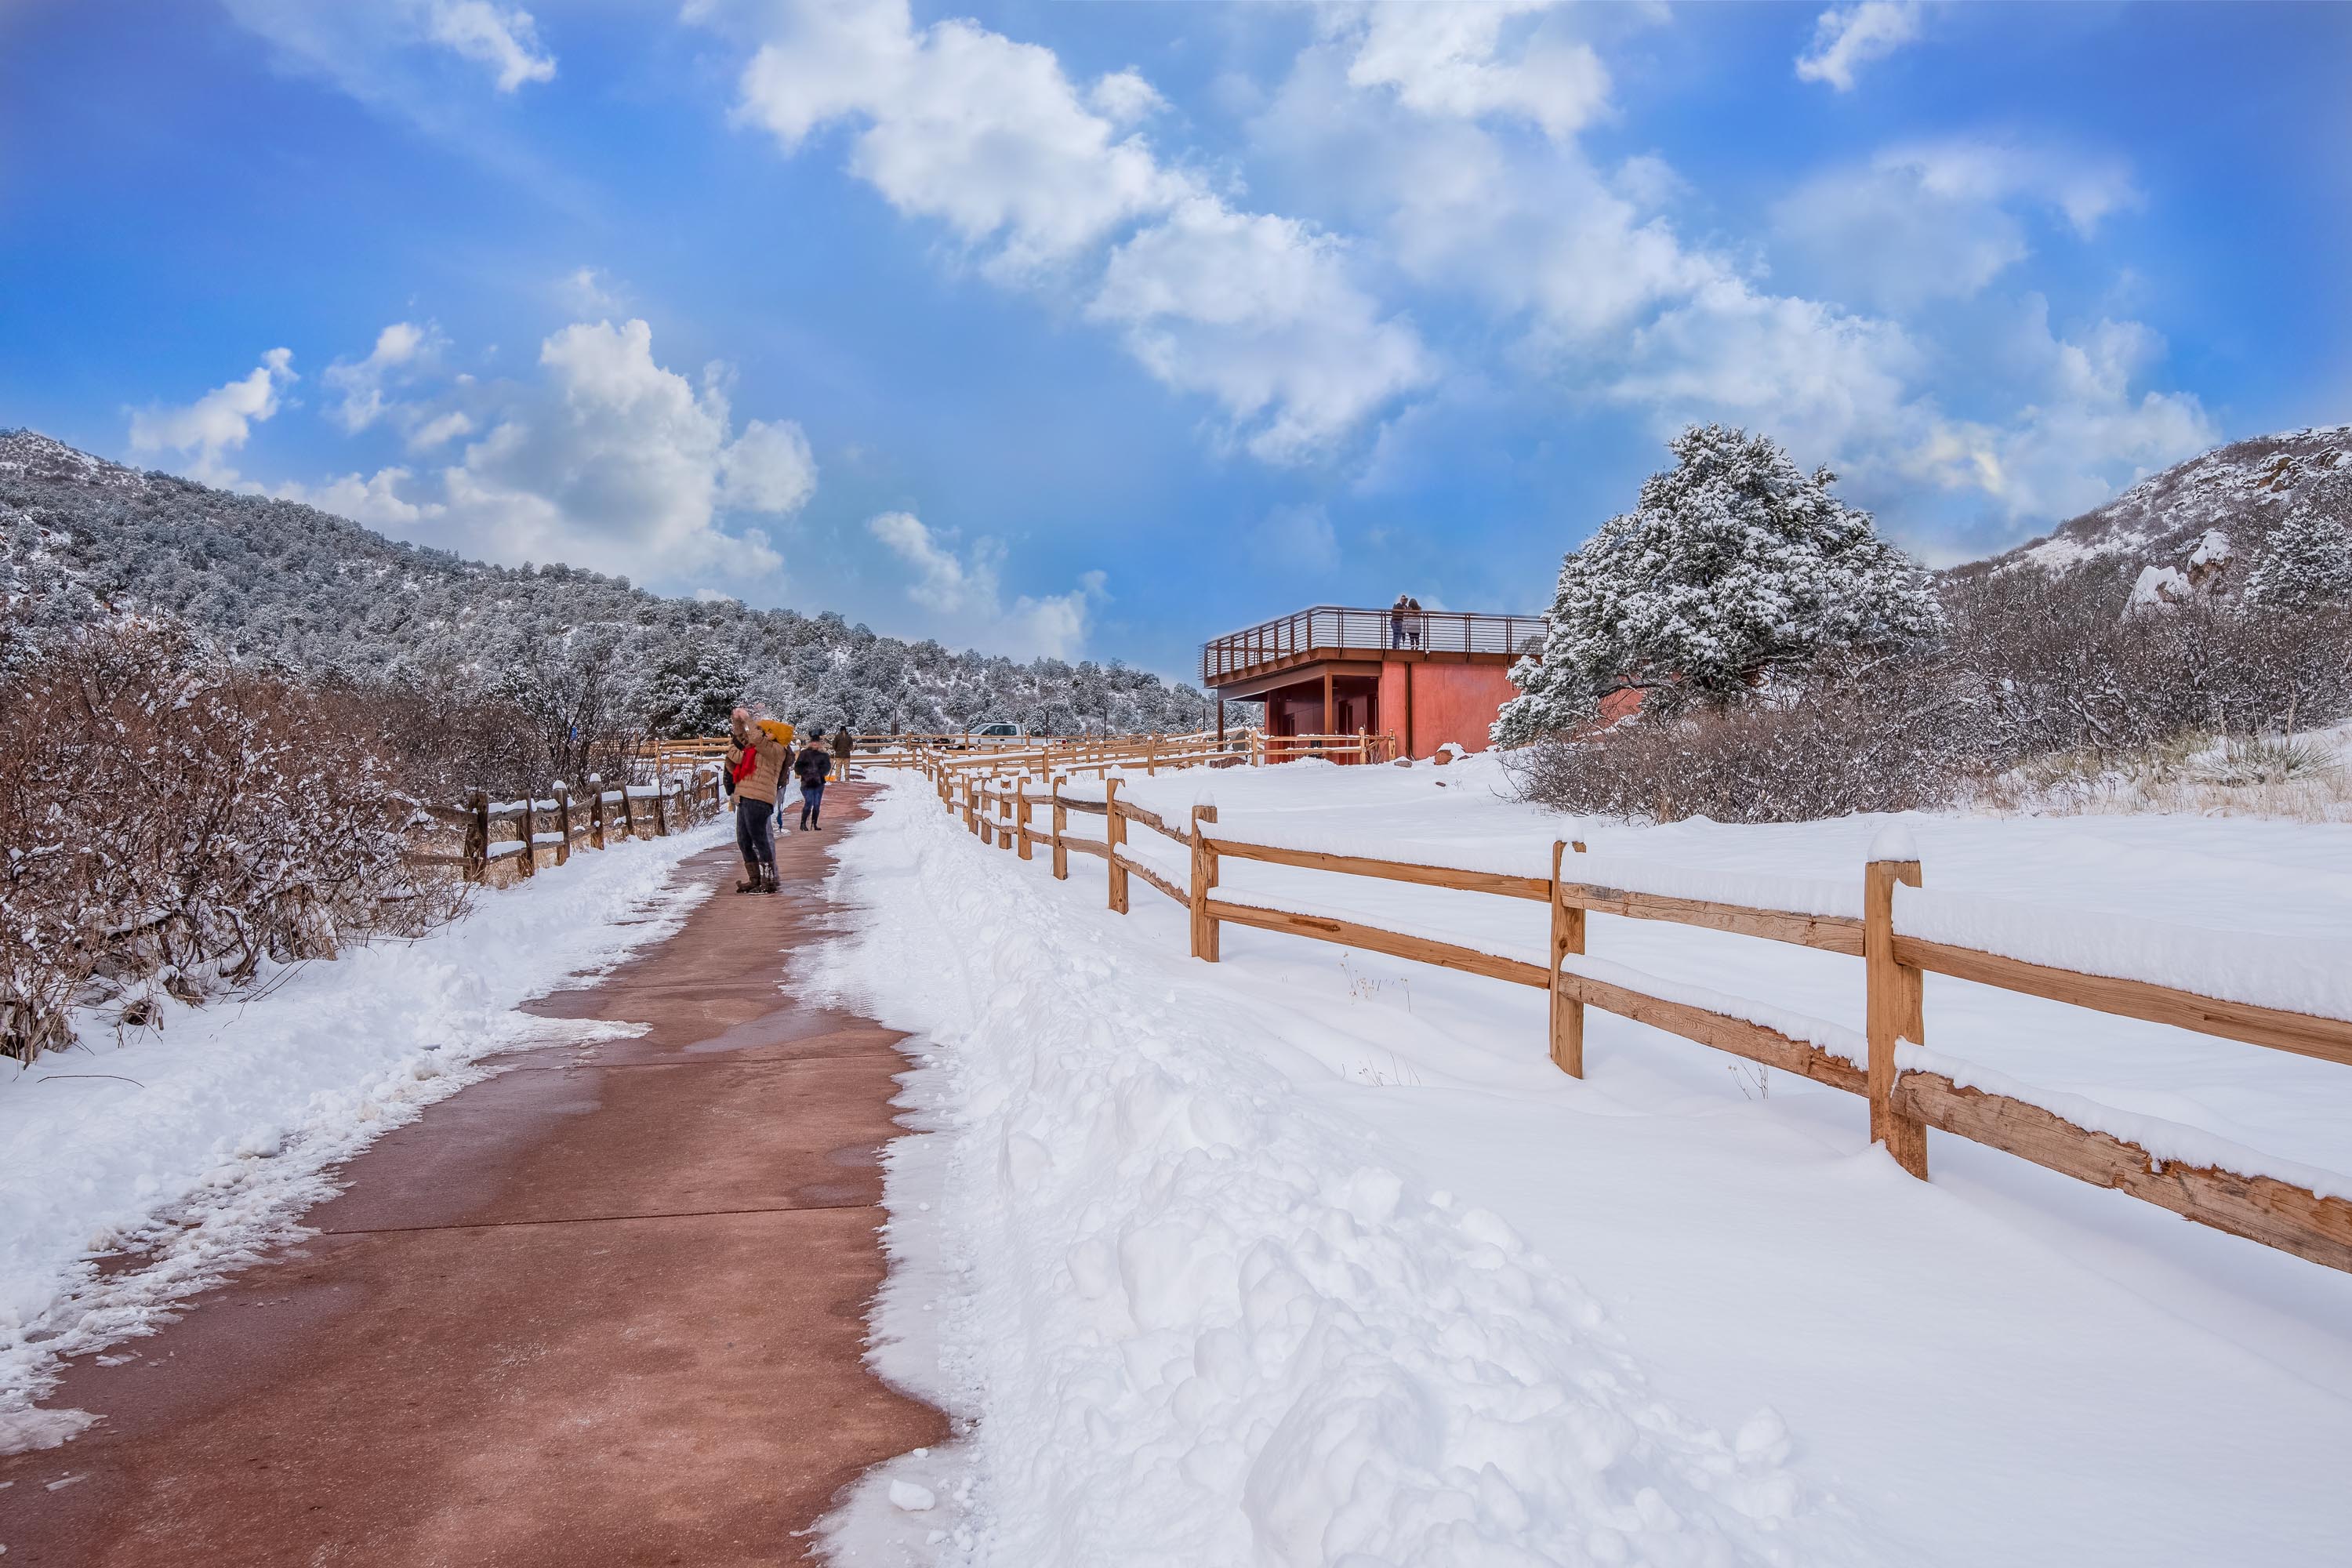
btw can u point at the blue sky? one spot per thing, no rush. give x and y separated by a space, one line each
1095 329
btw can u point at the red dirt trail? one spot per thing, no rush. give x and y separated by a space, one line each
606 1308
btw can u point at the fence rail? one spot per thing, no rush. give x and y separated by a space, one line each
1334 628
1902 1102
556 825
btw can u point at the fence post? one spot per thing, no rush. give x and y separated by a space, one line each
1151 755
1566 1000
596 811
1020 816
1061 821
661 810
1204 877
1114 834
563 822
529 833
477 836
1892 1009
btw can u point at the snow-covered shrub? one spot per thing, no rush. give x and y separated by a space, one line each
1734 569
175 819
2307 562
1895 737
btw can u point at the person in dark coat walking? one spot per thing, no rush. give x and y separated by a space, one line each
842 743
812 766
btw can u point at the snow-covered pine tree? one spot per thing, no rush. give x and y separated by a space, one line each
1735 566
2307 561
694 692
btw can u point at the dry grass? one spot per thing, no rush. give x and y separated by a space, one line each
2305 778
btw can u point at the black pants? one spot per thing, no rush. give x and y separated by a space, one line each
811 802
753 835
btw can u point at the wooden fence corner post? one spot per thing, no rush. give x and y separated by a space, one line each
1114 834
1567 995
1204 877
1892 1011
1020 805
477 836
596 811
661 811
1061 822
563 822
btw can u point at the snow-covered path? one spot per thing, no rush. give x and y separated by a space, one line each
1313 1253
199 1141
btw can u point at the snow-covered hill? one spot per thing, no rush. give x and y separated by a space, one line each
2240 492
287 583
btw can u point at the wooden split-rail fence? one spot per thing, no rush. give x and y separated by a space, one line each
1000 805
546 831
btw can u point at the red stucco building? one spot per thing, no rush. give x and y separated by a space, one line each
1426 677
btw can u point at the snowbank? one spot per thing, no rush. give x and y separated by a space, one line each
1206 1320
199 1142
2265 969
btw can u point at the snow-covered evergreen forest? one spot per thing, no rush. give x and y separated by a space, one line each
287 586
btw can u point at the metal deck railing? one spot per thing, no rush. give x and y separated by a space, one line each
1331 627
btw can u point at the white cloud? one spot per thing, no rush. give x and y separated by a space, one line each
1258 311
587 292
943 580
1939 220
217 422
989 136
439 429
1123 97
363 46
400 350
1847 37
1816 377
610 461
964 592
960 124
2086 433
1448 59
503 38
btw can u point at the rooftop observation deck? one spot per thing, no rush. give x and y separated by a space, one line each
1329 633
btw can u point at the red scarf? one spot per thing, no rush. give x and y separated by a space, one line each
751 761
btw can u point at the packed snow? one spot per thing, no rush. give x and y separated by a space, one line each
1311 1257
193 1143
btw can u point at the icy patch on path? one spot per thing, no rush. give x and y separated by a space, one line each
1201 1320
198 1146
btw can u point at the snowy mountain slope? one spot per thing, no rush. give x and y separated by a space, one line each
284 583
2242 490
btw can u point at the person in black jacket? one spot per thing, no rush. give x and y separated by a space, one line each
811 766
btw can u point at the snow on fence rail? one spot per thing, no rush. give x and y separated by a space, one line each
556 824
2264 991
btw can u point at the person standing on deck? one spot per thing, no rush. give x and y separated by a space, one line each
811 767
843 741
757 754
1396 622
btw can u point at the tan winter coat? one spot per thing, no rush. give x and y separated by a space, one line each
772 755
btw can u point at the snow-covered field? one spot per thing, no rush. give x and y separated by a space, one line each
1311 1257
198 1143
